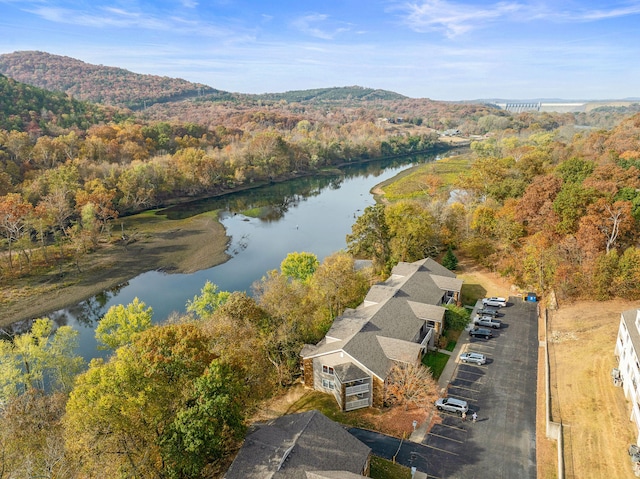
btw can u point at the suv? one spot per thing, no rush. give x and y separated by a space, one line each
452 405
495 302
470 357
481 333
488 321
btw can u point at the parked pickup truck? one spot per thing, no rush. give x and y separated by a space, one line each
494 313
488 321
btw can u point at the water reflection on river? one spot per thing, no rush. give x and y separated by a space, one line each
308 214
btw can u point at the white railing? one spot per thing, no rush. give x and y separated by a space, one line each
351 405
360 388
427 337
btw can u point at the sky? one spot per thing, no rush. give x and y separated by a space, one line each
437 49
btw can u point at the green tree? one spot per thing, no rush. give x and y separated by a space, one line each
411 231
39 359
449 260
456 317
119 410
570 205
336 285
575 170
370 237
208 301
299 266
209 424
120 323
247 338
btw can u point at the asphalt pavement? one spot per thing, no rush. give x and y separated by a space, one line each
501 444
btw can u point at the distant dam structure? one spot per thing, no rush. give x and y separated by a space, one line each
518 107
559 106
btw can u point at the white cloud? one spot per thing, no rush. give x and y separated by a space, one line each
112 17
454 18
311 25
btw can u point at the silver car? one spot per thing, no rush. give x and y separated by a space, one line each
488 321
452 405
471 357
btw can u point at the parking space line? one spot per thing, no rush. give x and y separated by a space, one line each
445 437
464 388
443 450
451 427
471 373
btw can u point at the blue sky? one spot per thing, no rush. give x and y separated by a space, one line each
438 49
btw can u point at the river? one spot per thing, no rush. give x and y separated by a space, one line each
265 224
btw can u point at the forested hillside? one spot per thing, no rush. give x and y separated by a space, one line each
97 83
332 95
32 109
552 214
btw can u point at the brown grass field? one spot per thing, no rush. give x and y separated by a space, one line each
594 413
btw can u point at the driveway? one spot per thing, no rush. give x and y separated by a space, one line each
501 444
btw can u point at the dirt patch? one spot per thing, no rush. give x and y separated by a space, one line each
173 246
594 413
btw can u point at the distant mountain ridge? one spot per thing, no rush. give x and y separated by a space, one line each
97 83
332 94
120 87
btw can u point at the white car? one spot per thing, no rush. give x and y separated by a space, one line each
471 357
495 302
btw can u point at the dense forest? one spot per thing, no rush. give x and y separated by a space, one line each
97 83
557 216
545 199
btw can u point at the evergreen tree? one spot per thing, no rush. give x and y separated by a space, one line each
449 260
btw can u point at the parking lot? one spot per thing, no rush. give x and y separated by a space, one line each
501 444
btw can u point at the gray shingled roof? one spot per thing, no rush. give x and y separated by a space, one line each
400 316
288 446
348 372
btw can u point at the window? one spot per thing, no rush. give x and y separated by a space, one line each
328 384
327 369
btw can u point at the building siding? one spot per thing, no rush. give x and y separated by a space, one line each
626 351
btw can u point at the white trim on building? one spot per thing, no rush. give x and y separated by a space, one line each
626 351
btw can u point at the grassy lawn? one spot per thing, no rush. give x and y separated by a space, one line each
436 361
327 405
471 291
383 469
412 184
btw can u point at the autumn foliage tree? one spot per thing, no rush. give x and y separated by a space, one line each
410 385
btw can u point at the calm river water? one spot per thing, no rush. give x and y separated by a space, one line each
308 214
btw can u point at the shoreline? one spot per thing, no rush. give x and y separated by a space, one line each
161 244
172 246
